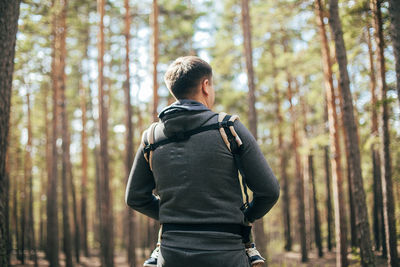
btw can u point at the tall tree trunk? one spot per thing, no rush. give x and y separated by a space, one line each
299 173
155 59
84 222
52 207
310 227
23 196
84 144
248 51
129 148
15 211
317 229
74 205
394 13
282 160
61 79
44 184
386 168
316 225
379 228
337 180
9 13
106 218
357 188
353 230
28 175
328 199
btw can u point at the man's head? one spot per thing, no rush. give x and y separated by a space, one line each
190 77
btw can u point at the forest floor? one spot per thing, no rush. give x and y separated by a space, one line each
286 259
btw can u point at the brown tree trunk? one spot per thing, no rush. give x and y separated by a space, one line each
9 13
357 188
74 205
317 229
155 59
15 212
394 13
246 26
61 79
386 168
52 207
28 175
129 148
308 211
353 230
337 180
328 199
84 144
44 184
282 161
378 224
84 222
299 173
106 218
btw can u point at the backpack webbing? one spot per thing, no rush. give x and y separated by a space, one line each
225 125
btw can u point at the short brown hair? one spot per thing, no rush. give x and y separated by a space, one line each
185 74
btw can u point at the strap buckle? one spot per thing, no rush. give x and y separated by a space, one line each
148 148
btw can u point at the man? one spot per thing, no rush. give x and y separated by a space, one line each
200 199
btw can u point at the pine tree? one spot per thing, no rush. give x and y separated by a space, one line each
337 180
9 13
52 207
394 12
154 20
367 257
129 148
248 52
386 168
105 205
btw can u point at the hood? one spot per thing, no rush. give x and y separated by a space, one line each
184 115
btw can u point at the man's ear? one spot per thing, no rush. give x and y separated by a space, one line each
204 86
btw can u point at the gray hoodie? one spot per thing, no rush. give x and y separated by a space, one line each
196 179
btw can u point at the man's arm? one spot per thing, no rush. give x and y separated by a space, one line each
259 177
139 190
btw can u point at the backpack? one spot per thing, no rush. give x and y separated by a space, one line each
225 126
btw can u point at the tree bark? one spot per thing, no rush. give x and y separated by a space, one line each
317 229
328 199
337 180
378 224
106 218
155 59
386 168
61 79
129 147
29 177
357 188
248 51
353 230
394 13
9 13
299 173
84 144
52 207
44 184
74 205
282 161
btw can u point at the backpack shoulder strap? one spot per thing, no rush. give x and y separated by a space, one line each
235 145
228 132
148 142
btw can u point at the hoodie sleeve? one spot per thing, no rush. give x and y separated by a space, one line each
139 190
259 177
